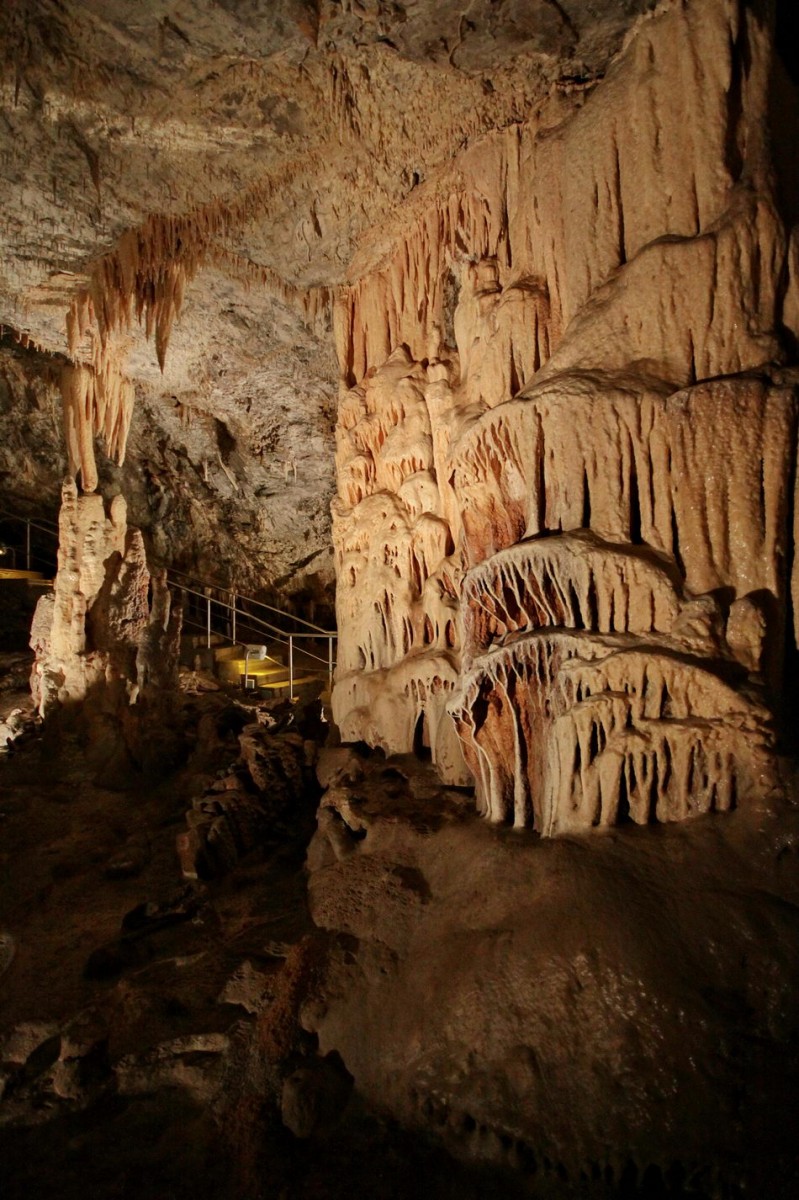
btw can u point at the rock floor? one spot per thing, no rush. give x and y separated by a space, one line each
171 1037
148 1024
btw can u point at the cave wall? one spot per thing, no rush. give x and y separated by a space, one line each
184 194
230 482
566 447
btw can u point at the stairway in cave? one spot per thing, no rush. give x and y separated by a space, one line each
28 551
27 565
271 678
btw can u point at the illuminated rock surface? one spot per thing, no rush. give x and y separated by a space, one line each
489 315
547 1004
563 416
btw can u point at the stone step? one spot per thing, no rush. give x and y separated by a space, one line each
232 670
277 684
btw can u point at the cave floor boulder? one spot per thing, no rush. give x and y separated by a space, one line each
607 1014
384 996
150 1042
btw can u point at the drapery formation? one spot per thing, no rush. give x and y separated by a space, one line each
566 450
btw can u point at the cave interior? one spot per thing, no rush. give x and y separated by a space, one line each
399 599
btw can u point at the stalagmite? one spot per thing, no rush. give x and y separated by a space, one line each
106 641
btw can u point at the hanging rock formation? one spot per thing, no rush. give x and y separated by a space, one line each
567 444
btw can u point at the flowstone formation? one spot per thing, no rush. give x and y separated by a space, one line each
201 175
567 447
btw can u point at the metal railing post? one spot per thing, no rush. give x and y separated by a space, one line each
228 599
28 545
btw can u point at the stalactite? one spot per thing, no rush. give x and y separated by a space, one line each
96 401
403 302
148 271
597 708
145 276
625 452
573 581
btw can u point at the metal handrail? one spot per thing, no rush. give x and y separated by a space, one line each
40 523
250 620
42 526
273 629
181 581
282 639
255 623
251 600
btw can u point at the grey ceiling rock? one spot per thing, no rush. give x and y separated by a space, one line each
256 156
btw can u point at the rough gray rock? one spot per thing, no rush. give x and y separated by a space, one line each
290 133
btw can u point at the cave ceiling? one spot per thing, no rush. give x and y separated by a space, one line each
302 136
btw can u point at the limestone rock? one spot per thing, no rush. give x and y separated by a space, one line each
11 726
243 809
247 987
623 729
130 219
492 990
98 627
314 1097
193 1062
338 765
565 460
274 762
107 640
